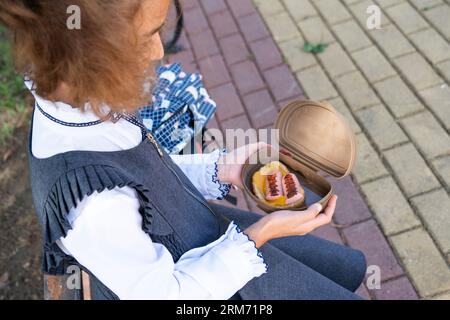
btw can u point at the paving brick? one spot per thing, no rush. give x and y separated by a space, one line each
295 56
396 289
284 103
300 9
228 103
444 69
438 99
438 17
269 8
195 21
252 27
381 127
349 2
442 166
184 57
432 45
204 45
213 124
351 35
223 24
315 31
266 53
316 84
333 11
425 4
213 6
423 262
406 18
282 83
373 64
184 42
241 8
351 207
282 27
356 91
368 238
214 71
190 4
191 68
411 170
239 122
427 134
335 61
234 49
389 206
342 108
368 166
445 296
359 10
422 75
398 97
434 207
388 3
261 108
246 77
329 233
363 292
392 41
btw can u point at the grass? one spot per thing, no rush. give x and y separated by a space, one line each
13 109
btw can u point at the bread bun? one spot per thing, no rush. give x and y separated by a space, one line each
259 181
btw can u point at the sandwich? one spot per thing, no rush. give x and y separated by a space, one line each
274 185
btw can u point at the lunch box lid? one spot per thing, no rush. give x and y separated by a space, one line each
316 135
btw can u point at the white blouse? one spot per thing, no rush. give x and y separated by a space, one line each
107 237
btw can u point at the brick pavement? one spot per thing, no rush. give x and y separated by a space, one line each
391 84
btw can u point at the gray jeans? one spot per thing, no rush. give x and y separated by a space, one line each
301 267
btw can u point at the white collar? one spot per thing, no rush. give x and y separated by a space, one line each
63 111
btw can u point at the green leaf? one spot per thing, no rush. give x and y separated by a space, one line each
314 48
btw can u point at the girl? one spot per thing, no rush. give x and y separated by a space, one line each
114 204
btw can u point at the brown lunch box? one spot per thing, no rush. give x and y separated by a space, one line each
313 137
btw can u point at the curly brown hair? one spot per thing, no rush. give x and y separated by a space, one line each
98 62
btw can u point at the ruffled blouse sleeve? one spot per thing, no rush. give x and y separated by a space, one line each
202 170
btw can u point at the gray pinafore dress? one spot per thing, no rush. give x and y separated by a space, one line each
176 215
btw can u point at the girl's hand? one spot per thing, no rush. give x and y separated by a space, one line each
230 165
287 223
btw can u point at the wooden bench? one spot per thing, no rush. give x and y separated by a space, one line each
56 287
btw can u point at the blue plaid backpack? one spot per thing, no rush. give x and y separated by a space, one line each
180 109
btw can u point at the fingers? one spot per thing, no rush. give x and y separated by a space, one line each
331 206
313 210
325 217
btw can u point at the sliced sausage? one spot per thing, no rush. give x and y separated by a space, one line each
291 188
274 190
